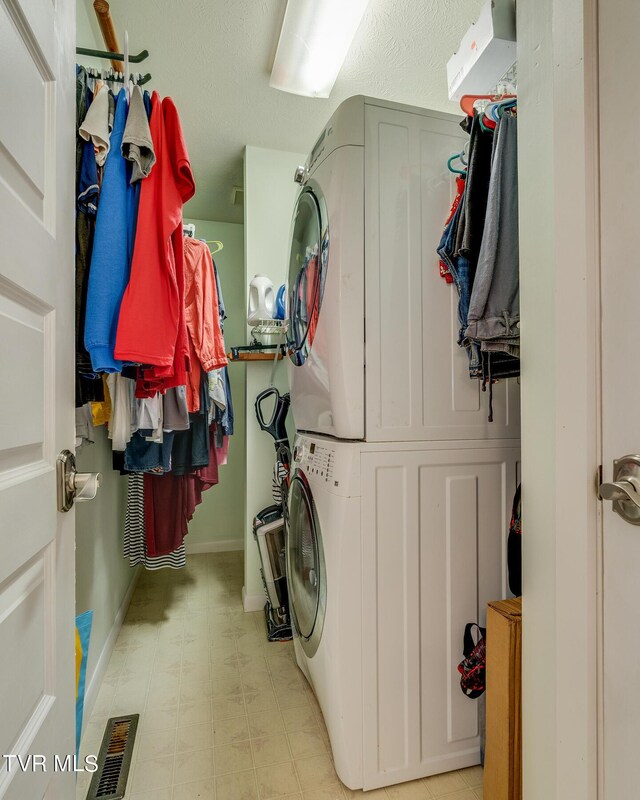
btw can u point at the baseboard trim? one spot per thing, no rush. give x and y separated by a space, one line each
253 602
219 546
93 687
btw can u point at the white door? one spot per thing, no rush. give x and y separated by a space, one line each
37 666
620 214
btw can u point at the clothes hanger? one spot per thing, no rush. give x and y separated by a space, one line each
219 247
487 123
508 106
464 155
468 101
452 168
490 110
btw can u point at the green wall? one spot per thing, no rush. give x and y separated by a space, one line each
220 518
102 575
267 223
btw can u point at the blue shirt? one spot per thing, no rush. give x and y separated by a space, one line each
112 249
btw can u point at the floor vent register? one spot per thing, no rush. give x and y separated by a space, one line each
114 760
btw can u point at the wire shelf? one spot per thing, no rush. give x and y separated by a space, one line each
269 327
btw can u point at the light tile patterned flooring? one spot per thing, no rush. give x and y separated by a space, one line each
224 714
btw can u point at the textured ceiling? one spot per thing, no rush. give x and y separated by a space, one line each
214 58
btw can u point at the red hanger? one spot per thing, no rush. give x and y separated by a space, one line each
467 101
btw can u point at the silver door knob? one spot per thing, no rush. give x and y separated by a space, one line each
74 486
300 174
624 490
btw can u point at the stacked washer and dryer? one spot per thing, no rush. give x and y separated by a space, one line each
400 488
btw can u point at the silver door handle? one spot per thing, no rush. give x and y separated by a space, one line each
74 486
624 490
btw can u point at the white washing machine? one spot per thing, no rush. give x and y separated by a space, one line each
391 550
364 287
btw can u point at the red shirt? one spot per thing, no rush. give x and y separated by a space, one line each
151 326
206 342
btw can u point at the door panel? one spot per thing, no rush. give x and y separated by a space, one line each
433 555
417 377
305 565
307 266
620 287
37 606
327 391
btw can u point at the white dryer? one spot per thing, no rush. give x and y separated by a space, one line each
391 550
372 326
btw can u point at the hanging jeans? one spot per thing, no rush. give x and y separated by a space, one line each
460 268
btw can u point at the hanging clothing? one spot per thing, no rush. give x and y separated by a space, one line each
221 309
168 507
89 389
151 328
114 234
175 411
144 455
95 127
137 144
494 309
85 230
459 267
224 417
471 229
206 343
135 544
136 295
88 185
121 391
209 475
84 426
217 393
170 502
101 411
191 448
222 449
445 270
87 197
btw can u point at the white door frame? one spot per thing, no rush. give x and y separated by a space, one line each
561 442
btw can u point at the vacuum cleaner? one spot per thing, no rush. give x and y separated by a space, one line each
268 525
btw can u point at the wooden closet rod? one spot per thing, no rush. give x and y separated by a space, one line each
101 7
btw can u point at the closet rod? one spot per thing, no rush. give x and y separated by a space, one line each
101 7
87 51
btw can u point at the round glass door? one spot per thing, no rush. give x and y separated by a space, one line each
305 565
307 268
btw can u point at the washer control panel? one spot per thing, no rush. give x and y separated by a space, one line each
317 460
333 466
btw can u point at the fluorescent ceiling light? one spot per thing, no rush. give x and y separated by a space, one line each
314 41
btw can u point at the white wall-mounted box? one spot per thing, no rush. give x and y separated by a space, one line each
486 52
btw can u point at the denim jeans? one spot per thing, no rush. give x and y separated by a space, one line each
460 268
144 456
191 448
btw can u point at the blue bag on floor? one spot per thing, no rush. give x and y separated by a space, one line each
83 633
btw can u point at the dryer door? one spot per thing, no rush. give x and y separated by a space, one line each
306 574
307 270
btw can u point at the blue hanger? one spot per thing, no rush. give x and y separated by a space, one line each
498 110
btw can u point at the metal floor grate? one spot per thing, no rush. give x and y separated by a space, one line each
114 759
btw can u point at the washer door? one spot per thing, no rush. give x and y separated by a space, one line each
307 270
306 575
